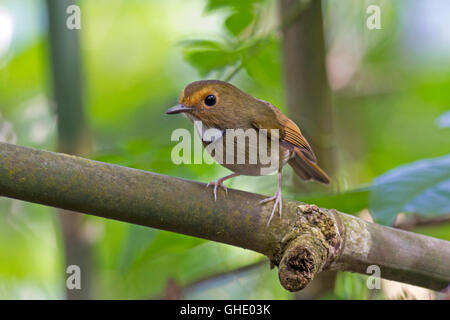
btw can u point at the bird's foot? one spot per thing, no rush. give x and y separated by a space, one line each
217 183
278 201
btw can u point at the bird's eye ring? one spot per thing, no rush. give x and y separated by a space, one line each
210 100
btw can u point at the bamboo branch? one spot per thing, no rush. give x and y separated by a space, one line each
417 221
73 133
308 93
305 241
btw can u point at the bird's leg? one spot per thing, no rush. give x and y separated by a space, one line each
219 183
277 197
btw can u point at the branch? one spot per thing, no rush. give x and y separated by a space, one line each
417 221
305 241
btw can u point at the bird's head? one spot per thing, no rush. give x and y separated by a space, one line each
216 103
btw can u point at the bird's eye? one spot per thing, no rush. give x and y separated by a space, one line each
210 100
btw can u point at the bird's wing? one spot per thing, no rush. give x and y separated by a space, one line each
293 135
289 133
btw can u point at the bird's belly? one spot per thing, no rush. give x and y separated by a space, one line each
252 159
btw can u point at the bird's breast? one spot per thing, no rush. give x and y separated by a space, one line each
247 152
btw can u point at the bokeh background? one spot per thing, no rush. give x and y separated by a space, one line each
390 96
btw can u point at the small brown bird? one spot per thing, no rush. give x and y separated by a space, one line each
221 106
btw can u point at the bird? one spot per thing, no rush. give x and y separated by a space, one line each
224 109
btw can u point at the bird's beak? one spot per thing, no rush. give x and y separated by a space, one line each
179 108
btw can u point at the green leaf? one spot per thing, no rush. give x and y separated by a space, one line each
208 55
421 187
262 62
351 286
201 43
238 22
238 5
137 241
208 60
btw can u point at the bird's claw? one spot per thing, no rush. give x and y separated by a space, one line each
278 201
217 183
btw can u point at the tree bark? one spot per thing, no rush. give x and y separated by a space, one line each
73 137
303 242
308 92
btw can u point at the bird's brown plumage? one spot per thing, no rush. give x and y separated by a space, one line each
236 109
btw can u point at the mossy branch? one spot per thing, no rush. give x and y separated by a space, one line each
305 241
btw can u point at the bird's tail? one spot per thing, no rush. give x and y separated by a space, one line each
307 169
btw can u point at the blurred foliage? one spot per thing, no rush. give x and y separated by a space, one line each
137 57
441 231
352 286
351 201
422 187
